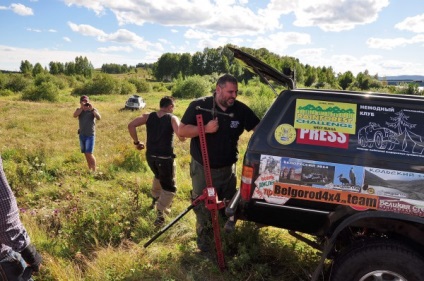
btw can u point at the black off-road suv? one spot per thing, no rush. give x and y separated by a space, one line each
345 167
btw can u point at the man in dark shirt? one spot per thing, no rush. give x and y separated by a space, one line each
222 135
18 258
161 126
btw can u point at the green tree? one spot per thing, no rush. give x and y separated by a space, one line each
38 69
70 68
83 67
198 64
56 68
310 76
185 64
212 61
167 67
26 67
345 80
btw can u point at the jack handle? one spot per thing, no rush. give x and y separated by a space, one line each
195 202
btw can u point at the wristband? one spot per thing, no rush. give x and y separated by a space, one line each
136 142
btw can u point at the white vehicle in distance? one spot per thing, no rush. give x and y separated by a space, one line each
135 102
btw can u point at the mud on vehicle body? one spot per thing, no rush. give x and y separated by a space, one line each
349 172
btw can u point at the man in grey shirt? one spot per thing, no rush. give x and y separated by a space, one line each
87 116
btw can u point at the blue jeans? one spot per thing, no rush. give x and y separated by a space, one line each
87 143
14 268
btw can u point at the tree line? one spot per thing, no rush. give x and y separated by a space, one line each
171 66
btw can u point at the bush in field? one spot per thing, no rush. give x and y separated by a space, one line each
6 92
127 88
262 100
17 83
47 91
47 77
192 87
102 84
3 80
141 84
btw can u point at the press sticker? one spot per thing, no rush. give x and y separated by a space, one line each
285 134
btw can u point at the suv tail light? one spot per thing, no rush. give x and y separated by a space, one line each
246 182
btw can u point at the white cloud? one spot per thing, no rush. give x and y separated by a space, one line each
21 10
115 49
389 44
33 30
413 24
52 30
225 18
121 36
386 44
197 34
375 64
67 39
164 41
96 6
312 52
273 42
86 30
337 15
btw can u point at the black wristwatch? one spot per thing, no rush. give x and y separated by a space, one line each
136 142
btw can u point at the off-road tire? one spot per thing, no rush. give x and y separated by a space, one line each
378 260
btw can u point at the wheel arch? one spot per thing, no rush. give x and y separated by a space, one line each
403 223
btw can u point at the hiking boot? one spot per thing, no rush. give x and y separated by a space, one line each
160 219
230 226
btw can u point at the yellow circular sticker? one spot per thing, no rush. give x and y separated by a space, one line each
285 134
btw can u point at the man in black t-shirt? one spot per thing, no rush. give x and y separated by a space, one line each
225 120
161 126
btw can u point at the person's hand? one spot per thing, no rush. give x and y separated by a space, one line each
88 106
212 126
140 146
32 257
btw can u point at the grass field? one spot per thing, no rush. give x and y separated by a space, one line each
92 226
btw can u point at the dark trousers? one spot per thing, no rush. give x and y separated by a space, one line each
164 170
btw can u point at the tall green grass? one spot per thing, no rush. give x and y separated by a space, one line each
92 226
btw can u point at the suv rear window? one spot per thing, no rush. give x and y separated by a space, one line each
382 132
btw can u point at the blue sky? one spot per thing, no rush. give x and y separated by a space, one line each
381 36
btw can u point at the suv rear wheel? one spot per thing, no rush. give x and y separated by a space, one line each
378 261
